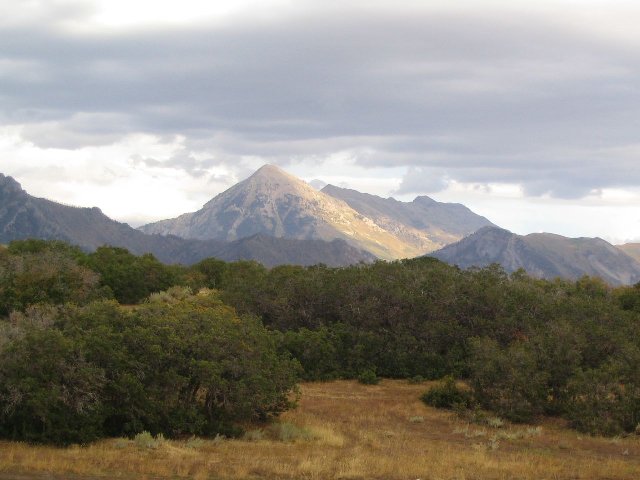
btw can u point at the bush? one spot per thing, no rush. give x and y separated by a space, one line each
368 377
315 350
145 440
178 368
508 380
600 404
43 272
129 277
49 393
447 395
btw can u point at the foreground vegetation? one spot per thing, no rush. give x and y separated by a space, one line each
120 358
178 365
343 429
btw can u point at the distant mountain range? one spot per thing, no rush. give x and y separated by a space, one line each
543 255
424 223
24 216
275 203
276 218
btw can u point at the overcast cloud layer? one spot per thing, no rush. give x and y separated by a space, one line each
528 115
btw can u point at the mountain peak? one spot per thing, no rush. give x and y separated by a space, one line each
276 203
268 168
272 172
424 200
9 184
271 180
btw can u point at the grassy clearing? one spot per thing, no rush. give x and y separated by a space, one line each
351 431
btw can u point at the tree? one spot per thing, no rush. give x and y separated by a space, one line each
180 364
508 381
130 278
44 272
48 391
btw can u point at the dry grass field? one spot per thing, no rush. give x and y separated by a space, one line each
346 430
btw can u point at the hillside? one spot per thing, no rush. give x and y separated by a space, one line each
543 255
278 251
24 216
424 223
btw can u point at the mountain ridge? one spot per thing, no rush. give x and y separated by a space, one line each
424 221
279 204
273 202
25 216
541 254
544 255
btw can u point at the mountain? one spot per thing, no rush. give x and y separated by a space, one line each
24 216
274 251
278 204
275 203
631 249
543 255
424 222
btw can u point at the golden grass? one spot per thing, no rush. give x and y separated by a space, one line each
358 432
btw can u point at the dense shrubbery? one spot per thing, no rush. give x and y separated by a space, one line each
526 347
178 365
129 277
35 271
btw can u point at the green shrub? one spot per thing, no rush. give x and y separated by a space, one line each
189 367
508 381
368 377
600 404
145 440
447 395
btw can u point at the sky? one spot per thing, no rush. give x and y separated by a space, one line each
526 112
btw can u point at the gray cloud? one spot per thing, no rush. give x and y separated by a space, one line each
423 180
478 95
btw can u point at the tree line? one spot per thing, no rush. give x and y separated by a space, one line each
526 347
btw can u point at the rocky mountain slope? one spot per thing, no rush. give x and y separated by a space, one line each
278 204
543 255
24 216
424 222
273 251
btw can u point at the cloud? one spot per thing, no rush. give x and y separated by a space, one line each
423 180
479 93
